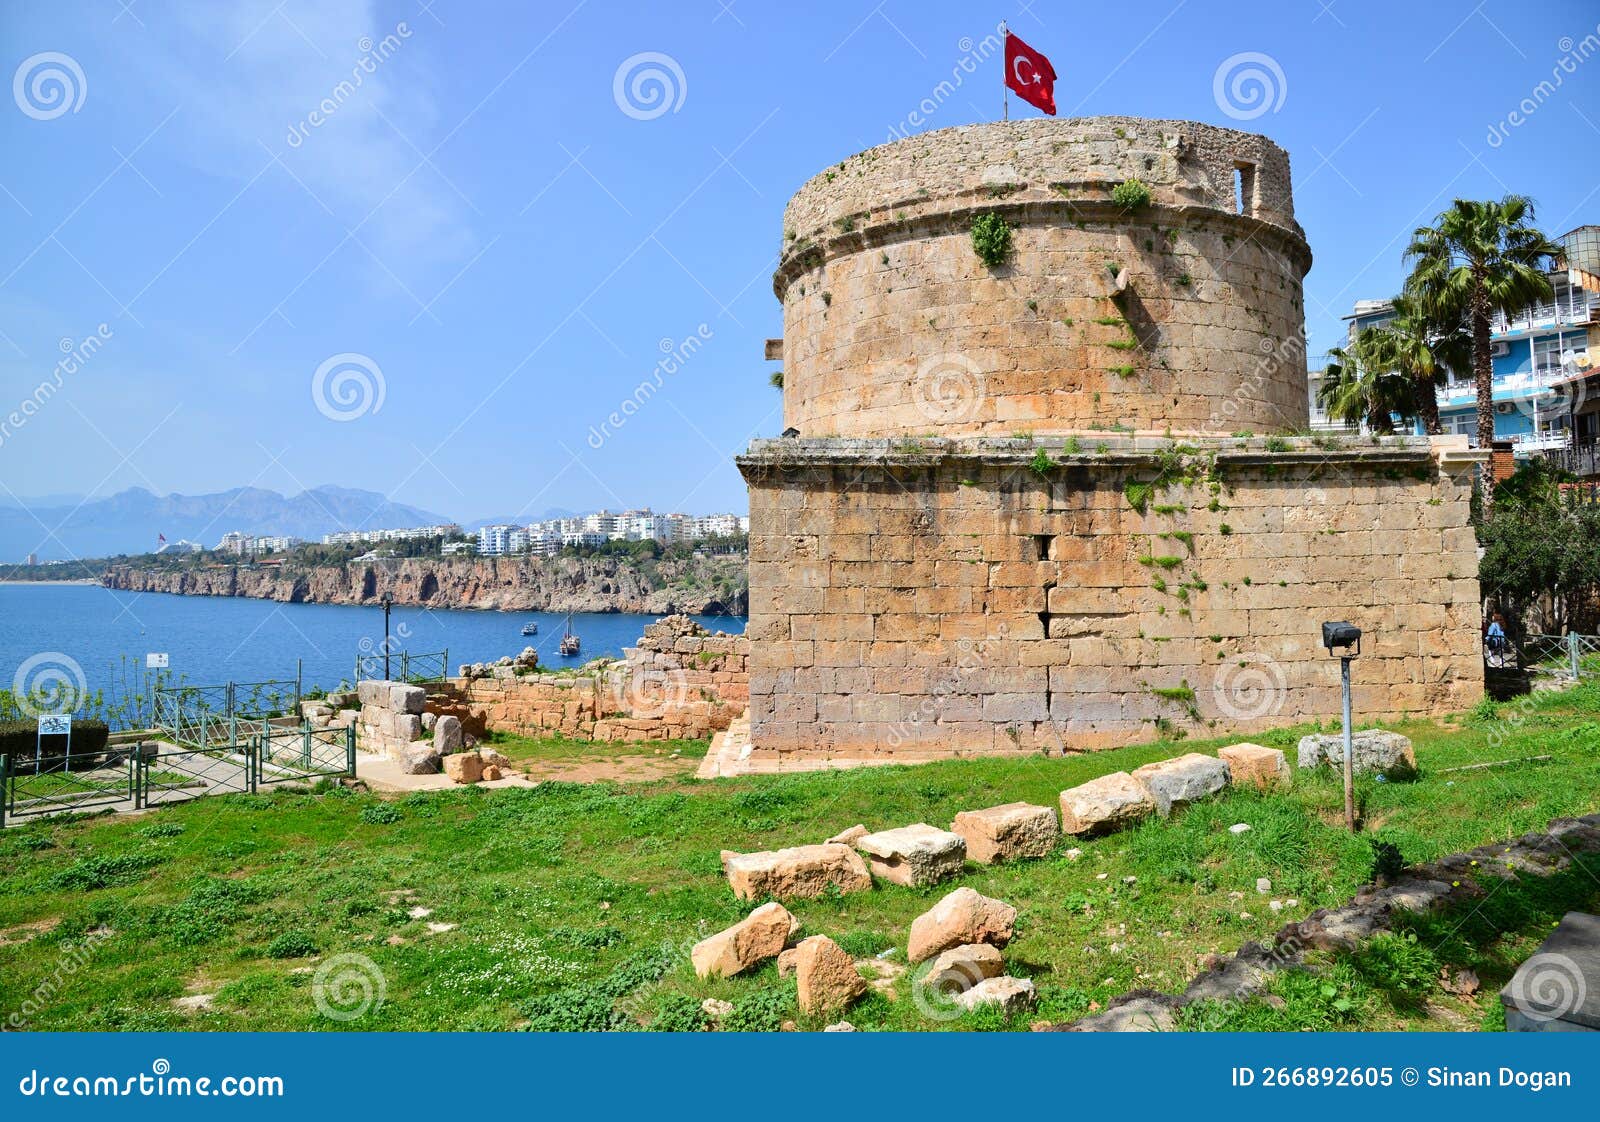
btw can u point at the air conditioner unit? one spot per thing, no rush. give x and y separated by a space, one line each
1500 350
1504 407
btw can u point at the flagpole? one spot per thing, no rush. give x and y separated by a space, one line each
1005 98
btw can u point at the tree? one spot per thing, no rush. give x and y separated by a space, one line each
1360 387
1479 258
1423 350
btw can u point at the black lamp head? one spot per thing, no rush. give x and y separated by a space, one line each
1341 633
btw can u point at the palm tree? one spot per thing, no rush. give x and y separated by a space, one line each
1422 349
1479 258
1360 386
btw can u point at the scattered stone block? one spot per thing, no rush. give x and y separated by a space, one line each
848 837
914 855
428 721
405 698
491 772
1009 832
1266 768
964 916
961 968
825 977
447 734
498 759
757 937
1374 750
407 727
1012 995
419 759
802 870
1104 805
463 767
1178 782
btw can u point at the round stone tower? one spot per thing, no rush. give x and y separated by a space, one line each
1183 313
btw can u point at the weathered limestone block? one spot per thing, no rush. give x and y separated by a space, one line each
848 837
757 937
914 855
1178 782
1103 805
961 968
1008 832
405 727
1374 750
419 759
447 734
825 976
405 698
374 691
1012 995
463 767
1265 768
802 870
962 917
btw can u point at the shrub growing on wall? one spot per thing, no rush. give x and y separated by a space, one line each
991 239
1131 194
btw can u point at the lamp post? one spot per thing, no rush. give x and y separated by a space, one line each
1347 638
387 600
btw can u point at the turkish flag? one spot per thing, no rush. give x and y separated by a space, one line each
1030 74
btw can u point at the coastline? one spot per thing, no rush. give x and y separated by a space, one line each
54 583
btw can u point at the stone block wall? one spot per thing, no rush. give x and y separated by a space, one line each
680 682
390 717
1182 315
945 597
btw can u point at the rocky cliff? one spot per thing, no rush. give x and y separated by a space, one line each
703 586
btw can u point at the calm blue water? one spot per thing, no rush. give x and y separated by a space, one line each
214 639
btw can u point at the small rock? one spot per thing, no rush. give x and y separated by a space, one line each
1246 915
716 1008
1263 885
963 916
463 767
1101 876
1074 854
1130 880
788 1026
759 936
841 1026
825 976
1239 828
419 912
1291 902
441 928
961 968
849 837
491 773
1275 905
1012 995
194 1003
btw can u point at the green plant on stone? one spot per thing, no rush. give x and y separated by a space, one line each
991 239
1131 194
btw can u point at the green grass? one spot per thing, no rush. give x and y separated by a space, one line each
574 904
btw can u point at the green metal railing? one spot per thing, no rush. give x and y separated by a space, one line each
1573 652
285 755
206 716
431 666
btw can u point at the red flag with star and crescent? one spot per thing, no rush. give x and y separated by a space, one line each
1030 75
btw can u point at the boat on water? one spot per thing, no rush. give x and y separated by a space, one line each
569 641
530 628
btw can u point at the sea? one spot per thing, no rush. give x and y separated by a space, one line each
103 637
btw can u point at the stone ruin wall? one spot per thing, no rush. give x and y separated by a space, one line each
680 682
952 600
893 325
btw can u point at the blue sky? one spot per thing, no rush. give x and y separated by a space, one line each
506 243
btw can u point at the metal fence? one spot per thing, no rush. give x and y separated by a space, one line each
1578 655
206 716
284 755
427 667
52 783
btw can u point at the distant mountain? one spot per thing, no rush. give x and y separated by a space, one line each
129 521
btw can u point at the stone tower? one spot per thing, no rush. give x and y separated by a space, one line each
1057 502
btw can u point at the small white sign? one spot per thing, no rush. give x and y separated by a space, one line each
55 724
156 661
